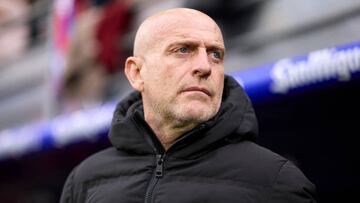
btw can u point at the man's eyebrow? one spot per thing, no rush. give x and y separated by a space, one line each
215 47
212 46
184 42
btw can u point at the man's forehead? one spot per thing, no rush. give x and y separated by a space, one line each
181 21
186 39
177 23
187 29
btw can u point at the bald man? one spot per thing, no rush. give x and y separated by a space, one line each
186 134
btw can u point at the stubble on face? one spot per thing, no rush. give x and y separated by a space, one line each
164 101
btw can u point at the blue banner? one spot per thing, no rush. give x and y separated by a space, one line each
317 69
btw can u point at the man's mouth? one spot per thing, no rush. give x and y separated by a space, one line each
197 89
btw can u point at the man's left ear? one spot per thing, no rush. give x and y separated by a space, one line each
133 66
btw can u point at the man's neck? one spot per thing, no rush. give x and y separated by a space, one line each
167 131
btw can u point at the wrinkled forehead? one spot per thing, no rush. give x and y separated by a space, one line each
176 24
186 24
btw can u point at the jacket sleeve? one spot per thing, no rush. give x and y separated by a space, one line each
67 192
291 185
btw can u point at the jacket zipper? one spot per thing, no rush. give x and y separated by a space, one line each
158 173
159 169
160 156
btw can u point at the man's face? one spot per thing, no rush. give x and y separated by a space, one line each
183 70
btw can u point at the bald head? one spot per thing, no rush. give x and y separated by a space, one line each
155 27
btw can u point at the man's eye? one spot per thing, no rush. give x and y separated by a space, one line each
216 54
183 50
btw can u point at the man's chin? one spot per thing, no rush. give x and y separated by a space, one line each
199 113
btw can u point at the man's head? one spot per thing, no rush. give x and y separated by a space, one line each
178 67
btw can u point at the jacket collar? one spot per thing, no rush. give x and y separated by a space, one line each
234 122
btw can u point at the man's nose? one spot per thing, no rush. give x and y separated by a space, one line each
201 64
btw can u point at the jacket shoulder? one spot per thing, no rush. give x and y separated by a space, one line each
85 172
287 182
97 160
257 158
291 185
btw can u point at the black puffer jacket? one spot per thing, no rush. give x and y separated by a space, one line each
216 162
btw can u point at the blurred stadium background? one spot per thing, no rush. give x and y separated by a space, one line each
61 74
